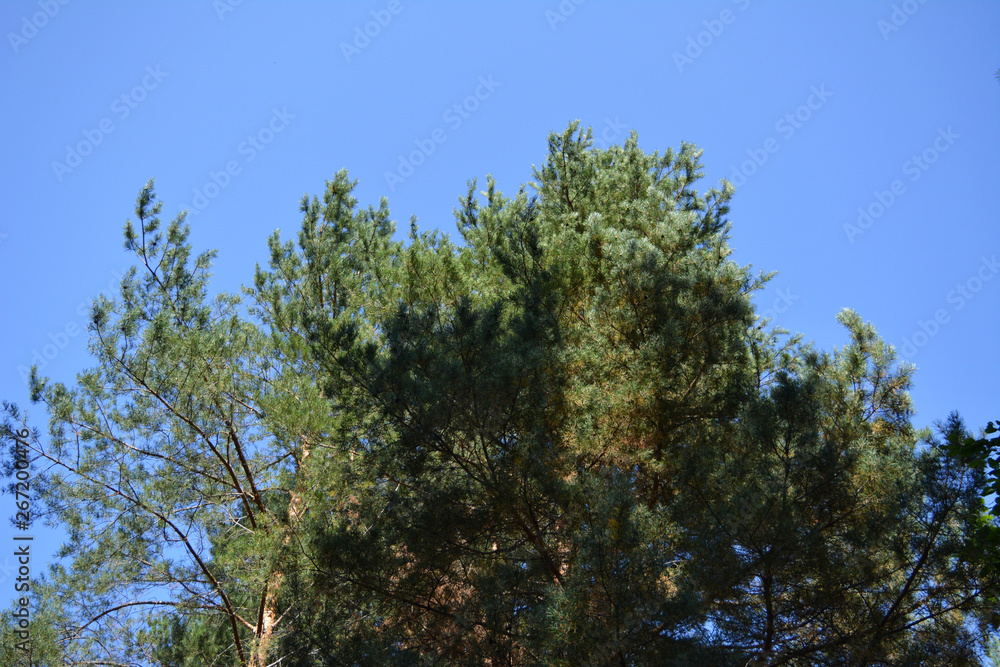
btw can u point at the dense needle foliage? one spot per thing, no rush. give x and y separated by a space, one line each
568 441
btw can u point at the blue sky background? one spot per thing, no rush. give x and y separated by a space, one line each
814 109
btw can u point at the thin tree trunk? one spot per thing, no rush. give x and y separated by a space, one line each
269 615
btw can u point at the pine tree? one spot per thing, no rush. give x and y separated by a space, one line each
170 465
567 440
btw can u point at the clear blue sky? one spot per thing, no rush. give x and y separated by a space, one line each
815 110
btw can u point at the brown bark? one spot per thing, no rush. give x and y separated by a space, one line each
269 615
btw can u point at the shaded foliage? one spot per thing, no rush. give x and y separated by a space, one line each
568 440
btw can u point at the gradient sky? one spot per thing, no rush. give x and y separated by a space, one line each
863 138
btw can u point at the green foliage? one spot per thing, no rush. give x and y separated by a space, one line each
982 454
40 644
568 440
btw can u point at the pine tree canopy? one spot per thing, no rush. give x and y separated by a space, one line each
567 440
